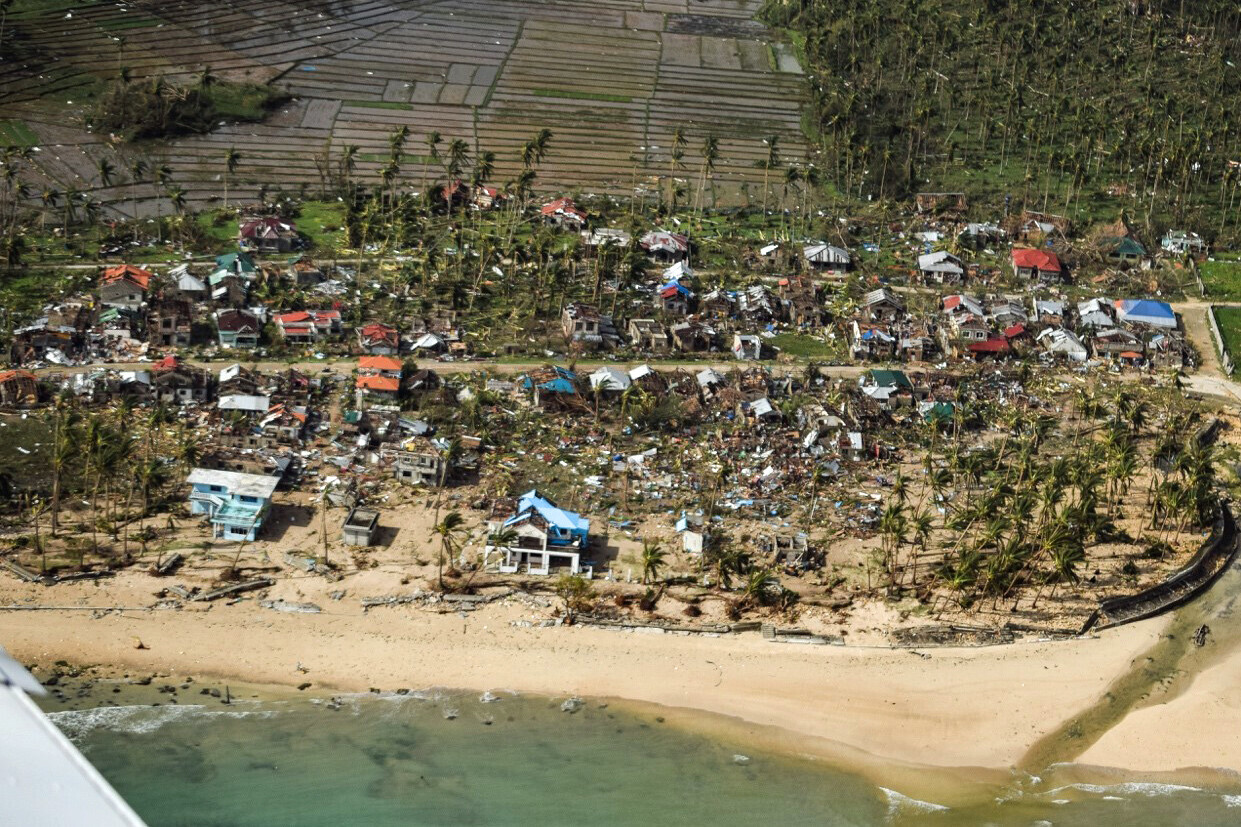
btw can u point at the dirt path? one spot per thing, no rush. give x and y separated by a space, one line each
346 366
1209 379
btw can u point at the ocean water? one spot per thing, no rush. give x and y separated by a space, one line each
458 759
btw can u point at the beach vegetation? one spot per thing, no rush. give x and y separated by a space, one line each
576 595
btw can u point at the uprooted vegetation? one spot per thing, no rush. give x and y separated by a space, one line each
159 109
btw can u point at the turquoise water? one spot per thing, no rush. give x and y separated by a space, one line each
458 760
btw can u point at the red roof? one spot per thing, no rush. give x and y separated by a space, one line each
137 275
1131 354
293 316
1036 259
379 363
379 383
167 363
266 228
989 346
1014 331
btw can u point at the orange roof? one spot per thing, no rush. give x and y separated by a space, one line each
16 374
137 275
1036 259
379 363
379 383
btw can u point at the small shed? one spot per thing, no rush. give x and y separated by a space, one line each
359 527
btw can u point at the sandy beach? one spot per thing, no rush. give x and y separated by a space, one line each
977 707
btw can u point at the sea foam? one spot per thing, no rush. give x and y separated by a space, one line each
76 724
898 802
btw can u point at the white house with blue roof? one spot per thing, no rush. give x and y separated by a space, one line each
546 537
234 503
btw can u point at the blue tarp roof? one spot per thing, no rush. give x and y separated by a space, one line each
549 511
565 381
1146 310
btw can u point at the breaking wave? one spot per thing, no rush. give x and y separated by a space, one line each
1146 788
76 724
899 803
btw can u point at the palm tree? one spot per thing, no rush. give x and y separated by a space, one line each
50 196
710 154
674 163
758 587
64 451
348 164
768 164
137 169
457 159
652 560
433 140
231 159
449 530
106 170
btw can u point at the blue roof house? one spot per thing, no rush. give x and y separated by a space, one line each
546 537
1146 312
550 383
234 503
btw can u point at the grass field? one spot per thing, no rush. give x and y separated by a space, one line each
806 347
1222 279
16 133
1229 320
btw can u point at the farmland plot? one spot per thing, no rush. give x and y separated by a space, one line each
613 80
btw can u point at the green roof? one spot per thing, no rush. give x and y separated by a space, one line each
890 378
940 412
230 261
1126 246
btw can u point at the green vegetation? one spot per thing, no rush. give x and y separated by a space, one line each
1222 279
804 347
1229 321
17 133
584 96
157 109
1083 109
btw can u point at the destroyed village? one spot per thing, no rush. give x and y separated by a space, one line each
639 412
924 421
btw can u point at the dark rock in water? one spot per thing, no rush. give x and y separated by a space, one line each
205 691
145 681
215 693
302 687
402 691
52 681
115 690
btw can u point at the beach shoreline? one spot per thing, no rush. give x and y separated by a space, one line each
973 711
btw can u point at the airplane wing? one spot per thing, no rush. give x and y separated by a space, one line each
46 782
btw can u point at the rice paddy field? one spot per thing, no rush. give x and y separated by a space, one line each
612 80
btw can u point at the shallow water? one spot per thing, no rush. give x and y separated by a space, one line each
457 760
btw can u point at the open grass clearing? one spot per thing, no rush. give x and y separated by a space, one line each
1222 279
1229 320
17 133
